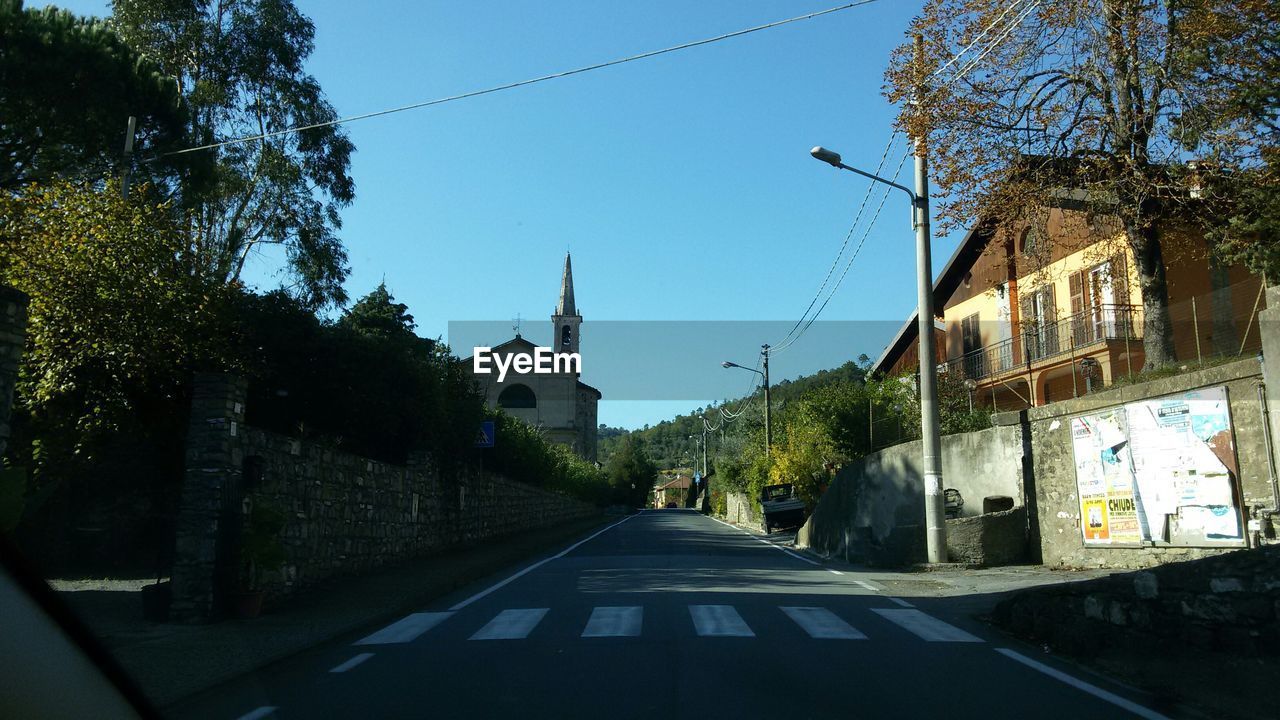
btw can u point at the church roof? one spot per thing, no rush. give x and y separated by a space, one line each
515 344
566 306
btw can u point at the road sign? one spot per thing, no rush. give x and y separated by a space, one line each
697 478
485 438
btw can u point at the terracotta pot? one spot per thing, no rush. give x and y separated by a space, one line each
247 604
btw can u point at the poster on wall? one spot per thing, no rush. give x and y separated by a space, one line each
1184 462
1105 480
1144 467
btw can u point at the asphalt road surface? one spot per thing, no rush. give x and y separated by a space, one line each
670 614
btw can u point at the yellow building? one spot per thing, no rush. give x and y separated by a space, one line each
1045 312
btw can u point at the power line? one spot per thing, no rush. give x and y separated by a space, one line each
521 83
792 336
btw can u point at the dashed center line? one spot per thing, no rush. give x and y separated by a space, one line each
351 663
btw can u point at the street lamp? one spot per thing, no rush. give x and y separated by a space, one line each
970 384
935 507
1088 366
768 425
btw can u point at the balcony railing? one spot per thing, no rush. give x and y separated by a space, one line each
1037 342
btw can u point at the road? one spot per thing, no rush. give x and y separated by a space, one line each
672 614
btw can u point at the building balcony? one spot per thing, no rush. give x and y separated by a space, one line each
1039 346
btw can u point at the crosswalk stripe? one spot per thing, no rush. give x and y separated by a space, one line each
718 621
511 624
925 626
406 629
351 663
823 624
614 622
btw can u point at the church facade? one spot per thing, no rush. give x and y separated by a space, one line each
559 403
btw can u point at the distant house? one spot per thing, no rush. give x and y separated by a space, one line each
1025 312
672 489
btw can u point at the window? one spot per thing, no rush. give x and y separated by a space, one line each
566 336
970 336
517 396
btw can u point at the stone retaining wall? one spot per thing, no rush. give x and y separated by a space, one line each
740 510
998 538
1229 602
344 514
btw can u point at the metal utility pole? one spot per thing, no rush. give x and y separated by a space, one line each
934 509
768 406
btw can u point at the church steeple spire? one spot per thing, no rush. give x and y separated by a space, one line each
566 305
566 319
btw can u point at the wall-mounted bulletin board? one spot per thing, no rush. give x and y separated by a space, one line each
1161 472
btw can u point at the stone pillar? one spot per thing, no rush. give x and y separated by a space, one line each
210 484
13 329
1269 330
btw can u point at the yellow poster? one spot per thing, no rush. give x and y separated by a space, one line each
1093 514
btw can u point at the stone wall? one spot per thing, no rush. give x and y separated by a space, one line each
1055 475
1230 602
874 510
998 538
344 514
740 510
13 328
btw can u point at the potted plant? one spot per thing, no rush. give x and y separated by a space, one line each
261 552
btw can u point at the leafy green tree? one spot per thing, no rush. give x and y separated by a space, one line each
378 314
1065 99
69 87
116 327
240 66
1231 49
631 472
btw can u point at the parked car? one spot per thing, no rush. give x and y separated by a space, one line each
781 508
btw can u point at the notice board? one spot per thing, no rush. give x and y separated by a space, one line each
1159 471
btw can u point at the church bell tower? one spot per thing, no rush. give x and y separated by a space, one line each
566 319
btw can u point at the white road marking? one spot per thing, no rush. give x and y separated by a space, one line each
406 629
511 625
766 542
1083 686
925 626
614 622
259 713
718 621
867 585
823 624
538 564
834 572
900 601
351 663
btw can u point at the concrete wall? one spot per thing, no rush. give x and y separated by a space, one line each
874 510
1055 476
344 514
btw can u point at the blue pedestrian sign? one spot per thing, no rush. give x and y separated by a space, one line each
486 435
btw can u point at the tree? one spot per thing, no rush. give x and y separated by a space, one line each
631 472
1072 104
67 88
379 314
239 65
1232 49
116 327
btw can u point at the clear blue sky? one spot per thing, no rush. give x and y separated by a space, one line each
682 183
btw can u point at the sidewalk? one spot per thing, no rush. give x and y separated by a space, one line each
172 662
